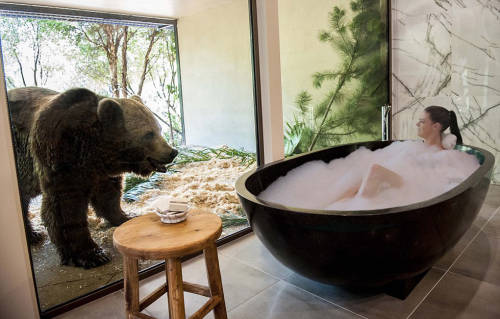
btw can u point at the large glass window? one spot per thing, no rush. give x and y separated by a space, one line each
208 117
334 67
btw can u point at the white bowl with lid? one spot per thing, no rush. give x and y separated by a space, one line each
170 210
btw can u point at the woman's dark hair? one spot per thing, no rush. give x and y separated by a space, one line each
439 114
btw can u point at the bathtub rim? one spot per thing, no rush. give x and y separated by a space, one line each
484 169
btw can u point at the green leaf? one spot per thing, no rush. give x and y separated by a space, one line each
350 106
302 101
324 36
292 136
319 77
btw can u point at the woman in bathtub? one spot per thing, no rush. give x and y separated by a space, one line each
431 126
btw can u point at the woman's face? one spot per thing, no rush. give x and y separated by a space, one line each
426 128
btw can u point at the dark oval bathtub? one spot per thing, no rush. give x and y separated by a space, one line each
362 248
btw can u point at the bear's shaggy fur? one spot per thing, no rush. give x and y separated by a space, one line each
72 148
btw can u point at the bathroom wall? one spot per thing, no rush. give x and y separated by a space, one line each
448 53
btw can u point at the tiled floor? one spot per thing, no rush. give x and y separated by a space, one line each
463 284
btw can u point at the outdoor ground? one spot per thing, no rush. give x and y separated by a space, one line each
206 180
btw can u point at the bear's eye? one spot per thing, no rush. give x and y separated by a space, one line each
149 136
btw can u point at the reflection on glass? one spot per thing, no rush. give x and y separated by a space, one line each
89 159
334 72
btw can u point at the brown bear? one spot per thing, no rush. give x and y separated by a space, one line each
72 148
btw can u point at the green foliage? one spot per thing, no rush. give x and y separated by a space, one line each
303 100
319 77
60 55
230 219
26 45
132 180
135 185
293 135
357 87
225 152
164 80
201 154
134 192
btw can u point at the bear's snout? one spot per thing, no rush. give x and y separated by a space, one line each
173 154
159 164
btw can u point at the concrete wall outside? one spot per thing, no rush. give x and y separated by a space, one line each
216 75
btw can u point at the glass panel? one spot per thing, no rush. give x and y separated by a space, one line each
43 57
334 72
86 164
217 94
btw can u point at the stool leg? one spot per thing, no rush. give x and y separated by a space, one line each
175 289
214 280
131 285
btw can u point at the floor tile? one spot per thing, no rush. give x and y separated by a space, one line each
491 202
449 258
234 246
284 301
372 304
240 283
481 260
252 252
249 273
493 226
192 302
110 307
493 196
487 210
460 297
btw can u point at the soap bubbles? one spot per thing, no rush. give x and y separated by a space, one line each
426 171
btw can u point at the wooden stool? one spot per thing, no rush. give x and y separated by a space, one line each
146 237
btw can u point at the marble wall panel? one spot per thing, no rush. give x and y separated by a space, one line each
447 52
476 51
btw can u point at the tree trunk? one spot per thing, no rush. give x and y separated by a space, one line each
111 48
152 40
114 75
124 62
36 62
36 50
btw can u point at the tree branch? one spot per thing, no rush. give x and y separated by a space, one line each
20 68
340 84
88 37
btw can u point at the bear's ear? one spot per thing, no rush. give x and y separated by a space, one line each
137 98
110 112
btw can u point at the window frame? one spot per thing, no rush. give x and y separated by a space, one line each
47 12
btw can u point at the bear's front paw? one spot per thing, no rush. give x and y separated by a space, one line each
35 238
87 259
118 219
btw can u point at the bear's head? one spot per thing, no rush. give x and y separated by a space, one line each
131 130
